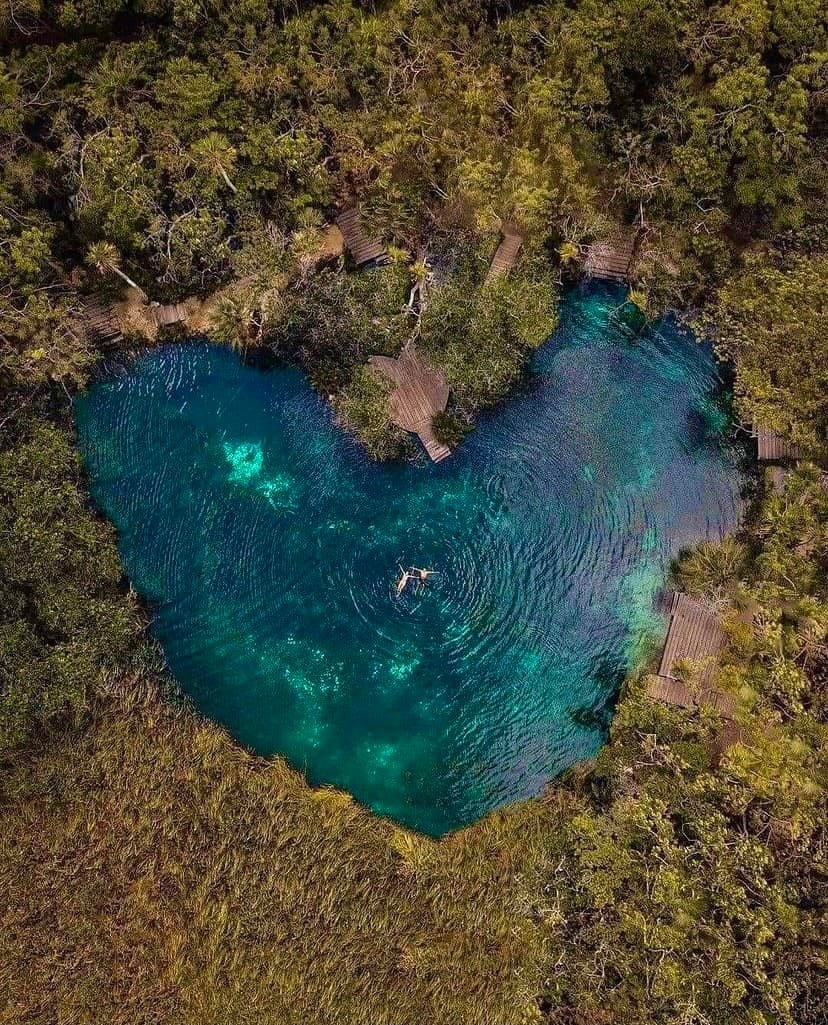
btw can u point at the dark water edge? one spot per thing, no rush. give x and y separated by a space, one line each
267 545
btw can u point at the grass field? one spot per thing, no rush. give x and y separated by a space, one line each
153 871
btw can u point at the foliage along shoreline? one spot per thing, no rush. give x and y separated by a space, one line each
151 869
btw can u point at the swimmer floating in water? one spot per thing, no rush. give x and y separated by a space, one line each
402 583
419 576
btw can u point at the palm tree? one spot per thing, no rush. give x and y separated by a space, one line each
103 256
219 155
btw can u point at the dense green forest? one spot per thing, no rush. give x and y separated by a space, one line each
151 870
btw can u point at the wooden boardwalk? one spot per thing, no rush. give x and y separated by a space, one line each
671 692
506 255
100 324
694 634
419 393
163 316
674 692
772 447
611 257
363 250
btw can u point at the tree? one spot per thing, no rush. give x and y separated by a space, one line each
103 256
781 355
216 153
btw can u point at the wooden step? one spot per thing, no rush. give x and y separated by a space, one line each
363 250
163 316
611 257
506 255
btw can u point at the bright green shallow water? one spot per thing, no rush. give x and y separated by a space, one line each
268 546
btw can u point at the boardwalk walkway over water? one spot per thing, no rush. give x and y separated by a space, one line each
419 393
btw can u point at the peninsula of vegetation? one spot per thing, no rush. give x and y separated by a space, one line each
392 196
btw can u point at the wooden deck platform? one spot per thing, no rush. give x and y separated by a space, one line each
363 250
506 255
694 634
419 393
772 447
163 316
611 257
100 324
671 692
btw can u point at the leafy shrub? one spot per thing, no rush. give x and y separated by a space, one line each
449 429
63 617
481 337
363 406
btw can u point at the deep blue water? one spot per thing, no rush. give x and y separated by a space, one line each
268 545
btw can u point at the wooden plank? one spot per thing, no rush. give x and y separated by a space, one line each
694 633
506 255
363 250
675 692
419 392
101 323
423 391
772 447
436 450
163 316
389 368
670 691
611 257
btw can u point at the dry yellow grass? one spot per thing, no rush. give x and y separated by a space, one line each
152 871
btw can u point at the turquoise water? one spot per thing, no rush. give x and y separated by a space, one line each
268 546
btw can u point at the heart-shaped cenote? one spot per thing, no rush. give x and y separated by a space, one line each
268 545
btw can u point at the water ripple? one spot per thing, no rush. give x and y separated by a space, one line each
270 548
